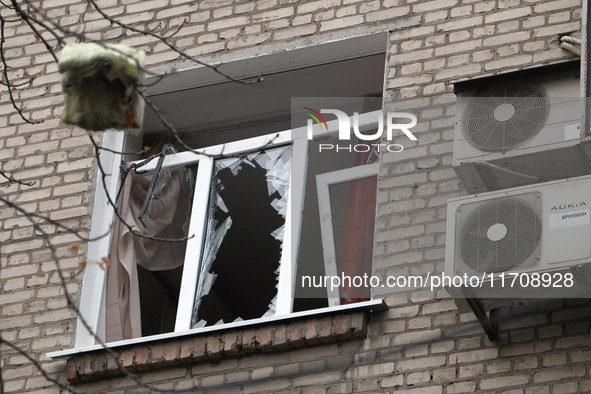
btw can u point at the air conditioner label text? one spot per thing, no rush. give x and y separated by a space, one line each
567 206
569 219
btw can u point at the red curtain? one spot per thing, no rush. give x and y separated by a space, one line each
356 246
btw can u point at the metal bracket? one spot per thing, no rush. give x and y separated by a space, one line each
166 149
488 323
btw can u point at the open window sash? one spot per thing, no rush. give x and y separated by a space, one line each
327 222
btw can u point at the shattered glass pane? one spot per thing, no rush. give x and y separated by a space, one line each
239 270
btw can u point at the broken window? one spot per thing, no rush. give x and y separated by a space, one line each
246 221
253 229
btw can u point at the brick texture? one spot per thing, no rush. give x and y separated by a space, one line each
420 345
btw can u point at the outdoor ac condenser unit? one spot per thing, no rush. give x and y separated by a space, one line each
541 229
519 132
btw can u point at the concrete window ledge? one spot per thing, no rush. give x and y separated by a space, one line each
217 346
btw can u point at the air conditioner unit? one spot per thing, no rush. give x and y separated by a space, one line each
541 230
519 132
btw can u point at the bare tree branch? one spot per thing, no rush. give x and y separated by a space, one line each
171 46
46 30
113 203
37 365
5 73
38 35
48 220
12 180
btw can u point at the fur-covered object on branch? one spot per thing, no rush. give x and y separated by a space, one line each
101 84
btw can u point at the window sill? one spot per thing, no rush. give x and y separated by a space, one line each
215 343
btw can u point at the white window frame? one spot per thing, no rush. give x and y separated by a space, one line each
323 183
103 216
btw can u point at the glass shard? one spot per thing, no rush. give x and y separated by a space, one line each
239 272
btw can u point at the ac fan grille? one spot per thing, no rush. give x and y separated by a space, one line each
519 248
485 128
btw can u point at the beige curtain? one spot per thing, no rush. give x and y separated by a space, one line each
169 219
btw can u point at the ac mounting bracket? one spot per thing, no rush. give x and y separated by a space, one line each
489 323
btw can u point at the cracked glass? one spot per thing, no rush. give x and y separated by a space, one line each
239 271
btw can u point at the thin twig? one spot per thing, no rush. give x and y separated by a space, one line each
17 85
47 220
177 135
141 152
37 33
171 46
81 320
38 365
12 180
110 201
81 37
5 72
47 28
178 28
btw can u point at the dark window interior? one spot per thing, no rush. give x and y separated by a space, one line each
249 255
159 298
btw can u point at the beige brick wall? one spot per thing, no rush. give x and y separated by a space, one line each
415 347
